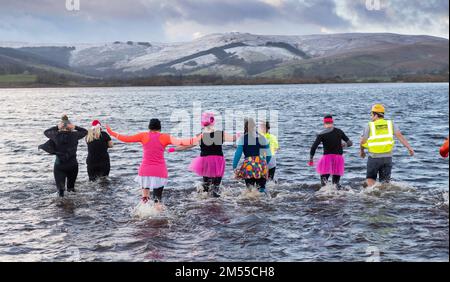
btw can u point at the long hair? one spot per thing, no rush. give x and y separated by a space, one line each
94 134
249 126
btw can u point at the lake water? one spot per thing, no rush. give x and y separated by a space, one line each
405 221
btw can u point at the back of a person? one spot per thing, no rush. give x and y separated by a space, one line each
98 149
253 144
211 144
332 141
66 144
153 162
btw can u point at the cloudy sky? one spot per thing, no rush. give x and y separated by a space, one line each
50 21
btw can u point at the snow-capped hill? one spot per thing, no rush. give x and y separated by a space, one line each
244 54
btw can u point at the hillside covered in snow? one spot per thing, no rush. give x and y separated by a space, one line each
347 56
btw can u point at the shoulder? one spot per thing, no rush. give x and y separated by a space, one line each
105 135
338 130
323 132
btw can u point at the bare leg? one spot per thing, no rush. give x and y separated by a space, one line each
145 195
371 182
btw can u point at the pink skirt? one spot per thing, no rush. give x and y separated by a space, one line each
210 166
331 164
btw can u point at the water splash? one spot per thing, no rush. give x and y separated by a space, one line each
148 210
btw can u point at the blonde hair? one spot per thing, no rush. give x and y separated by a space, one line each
93 134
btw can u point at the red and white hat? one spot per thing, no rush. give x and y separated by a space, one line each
96 123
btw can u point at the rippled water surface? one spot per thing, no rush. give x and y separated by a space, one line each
405 221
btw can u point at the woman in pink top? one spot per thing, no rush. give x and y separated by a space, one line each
153 169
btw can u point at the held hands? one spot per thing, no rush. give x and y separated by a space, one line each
411 152
311 163
172 150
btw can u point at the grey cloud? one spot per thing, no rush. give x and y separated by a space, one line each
401 13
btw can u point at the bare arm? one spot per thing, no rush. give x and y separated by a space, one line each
362 149
405 143
184 148
229 138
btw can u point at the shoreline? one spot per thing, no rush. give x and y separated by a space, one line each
222 83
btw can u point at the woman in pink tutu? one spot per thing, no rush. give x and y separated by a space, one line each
211 163
332 162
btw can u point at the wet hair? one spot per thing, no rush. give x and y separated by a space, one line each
64 118
249 125
154 125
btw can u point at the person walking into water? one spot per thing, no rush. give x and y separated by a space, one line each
378 138
264 129
211 163
98 143
65 137
256 150
153 170
332 162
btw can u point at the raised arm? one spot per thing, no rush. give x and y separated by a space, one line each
51 133
229 138
127 139
167 139
81 132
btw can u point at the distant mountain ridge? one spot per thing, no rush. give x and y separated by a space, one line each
242 55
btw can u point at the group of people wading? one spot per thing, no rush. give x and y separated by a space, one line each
257 144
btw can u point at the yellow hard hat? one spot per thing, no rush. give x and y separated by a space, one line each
378 108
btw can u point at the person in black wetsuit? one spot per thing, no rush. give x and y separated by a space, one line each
332 162
98 143
65 137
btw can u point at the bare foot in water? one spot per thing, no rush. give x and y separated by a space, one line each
159 207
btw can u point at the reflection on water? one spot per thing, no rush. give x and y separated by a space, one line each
404 221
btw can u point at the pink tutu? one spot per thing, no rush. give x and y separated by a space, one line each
210 166
331 164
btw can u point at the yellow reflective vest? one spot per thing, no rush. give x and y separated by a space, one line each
381 137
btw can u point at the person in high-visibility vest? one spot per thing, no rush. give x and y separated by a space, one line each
378 138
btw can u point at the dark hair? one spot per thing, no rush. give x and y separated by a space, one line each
267 126
328 116
249 124
155 124
380 115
